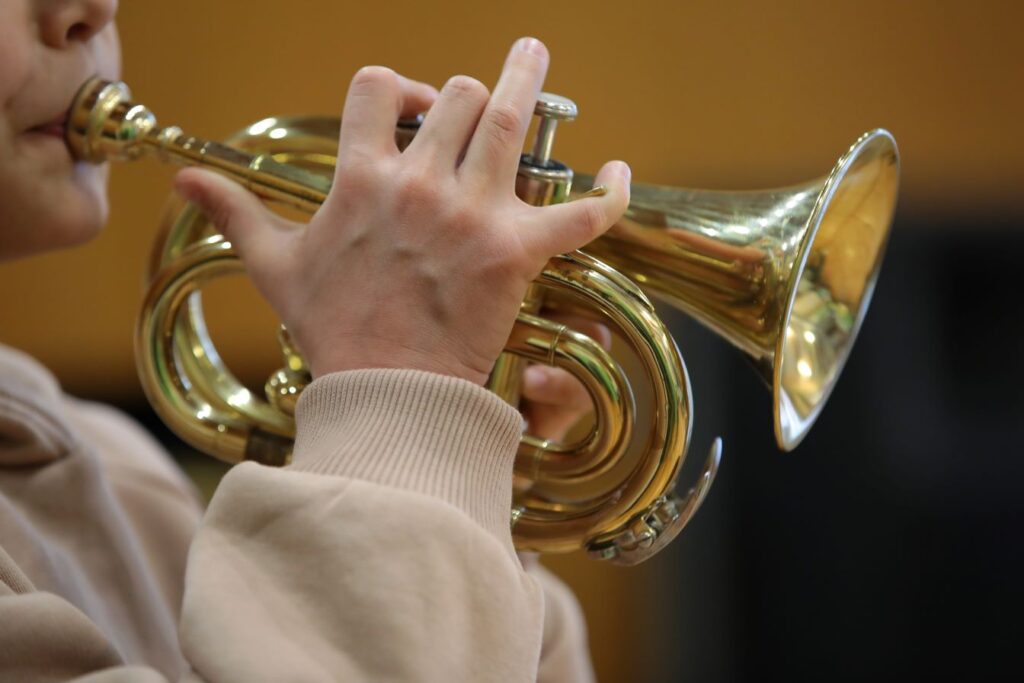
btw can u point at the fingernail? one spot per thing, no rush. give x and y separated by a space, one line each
187 192
531 45
625 171
535 377
598 191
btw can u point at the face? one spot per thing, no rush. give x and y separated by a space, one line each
48 48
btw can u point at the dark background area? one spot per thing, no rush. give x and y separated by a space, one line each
888 544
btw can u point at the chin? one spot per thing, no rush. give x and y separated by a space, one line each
72 214
87 214
82 214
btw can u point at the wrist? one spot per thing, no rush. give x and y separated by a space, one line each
371 354
411 430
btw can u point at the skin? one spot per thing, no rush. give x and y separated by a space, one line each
47 49
436 231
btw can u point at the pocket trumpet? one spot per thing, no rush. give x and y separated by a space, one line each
785 275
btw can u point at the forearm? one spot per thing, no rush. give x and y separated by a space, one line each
383 553
337 579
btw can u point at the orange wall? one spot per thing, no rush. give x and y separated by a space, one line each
711 94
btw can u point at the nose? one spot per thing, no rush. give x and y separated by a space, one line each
64 22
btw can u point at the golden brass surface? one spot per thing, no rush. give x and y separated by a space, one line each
785 275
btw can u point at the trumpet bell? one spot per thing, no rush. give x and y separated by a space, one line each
785 275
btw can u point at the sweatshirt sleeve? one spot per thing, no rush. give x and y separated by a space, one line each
564 654
383 553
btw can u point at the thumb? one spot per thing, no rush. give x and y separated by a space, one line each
254 231
564 227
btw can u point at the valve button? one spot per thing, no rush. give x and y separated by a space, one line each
551 106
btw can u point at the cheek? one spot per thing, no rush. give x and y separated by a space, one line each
15 50
108 53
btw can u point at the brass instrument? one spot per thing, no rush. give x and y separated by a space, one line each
785 275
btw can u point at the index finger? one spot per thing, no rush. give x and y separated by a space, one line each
372 107
493 153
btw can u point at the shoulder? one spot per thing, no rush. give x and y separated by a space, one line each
127 451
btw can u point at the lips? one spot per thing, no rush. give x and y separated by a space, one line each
54 127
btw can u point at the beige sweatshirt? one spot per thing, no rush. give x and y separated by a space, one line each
382 554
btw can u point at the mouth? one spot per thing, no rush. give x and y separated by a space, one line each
54 128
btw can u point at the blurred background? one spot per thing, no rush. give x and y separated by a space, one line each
889 544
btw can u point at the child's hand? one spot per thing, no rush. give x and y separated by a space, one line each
417 259
554 400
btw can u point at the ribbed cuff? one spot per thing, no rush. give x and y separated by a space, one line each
433 434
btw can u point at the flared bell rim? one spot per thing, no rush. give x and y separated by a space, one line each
790 426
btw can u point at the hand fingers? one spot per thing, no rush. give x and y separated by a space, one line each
554 387
493 154
547 422
372 108
254 231
564 227
554 401
416 97
452 120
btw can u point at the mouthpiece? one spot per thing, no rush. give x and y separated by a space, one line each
105 124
